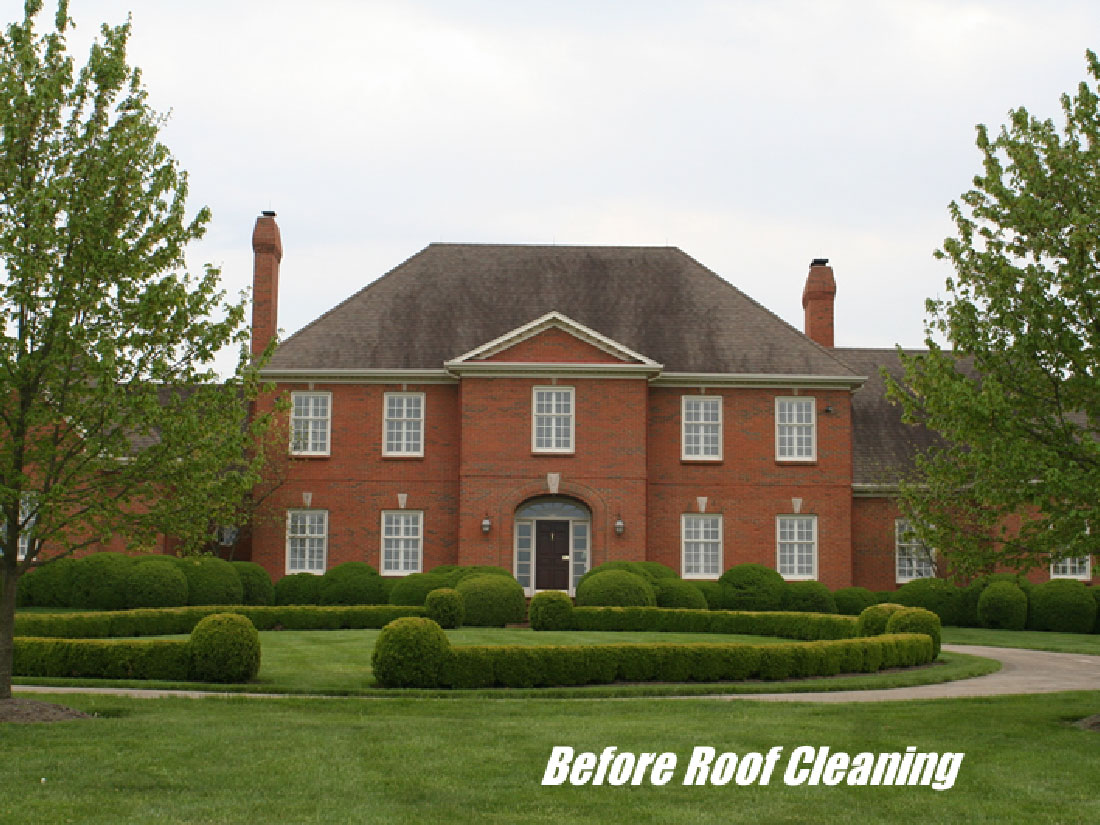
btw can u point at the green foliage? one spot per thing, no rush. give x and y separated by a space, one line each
98 581
1095 593
411 652
916 620
166 659
1016 398
445 607
615 587
808 597
679 593
156 583
256 586
851 601
940 596
551 610
1063 605
414 588
298 588
872 621
225 647
51 584
454 573
753 587
717 595
806 626
651 571
353 582
492 601
972 593
1003 606
211 580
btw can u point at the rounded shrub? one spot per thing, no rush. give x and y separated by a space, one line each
298 588
410 652
1003 606
714 592
851 601
916 620
615 588
156 583
98 581
225 647
50 585
680 593
454 573
492 601
972 593
1063 605
353 582
256 584
414 588
551 610
651 571
873 619
753 587
1094 591
938 595
211 580
445 607
808 597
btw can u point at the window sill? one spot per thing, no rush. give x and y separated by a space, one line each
402 457
310 455
796 462
554 453
703 461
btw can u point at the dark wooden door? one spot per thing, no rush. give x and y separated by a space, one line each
552 555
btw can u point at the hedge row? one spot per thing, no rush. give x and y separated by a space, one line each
176 620
804 626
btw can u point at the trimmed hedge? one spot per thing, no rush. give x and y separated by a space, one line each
353 582
298 588
1063 605
1002 606
414 588
50 585
454 573
851 601
872 621
492 601
916 620
679 593
972 593
255 583
714 592
445 607
410 652
805 626
225 647
156 583
551 610
808 597
753 587
211 580
619 588
98 581
1095 593
938 595
168 659
651 571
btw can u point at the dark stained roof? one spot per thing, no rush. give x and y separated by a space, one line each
449 299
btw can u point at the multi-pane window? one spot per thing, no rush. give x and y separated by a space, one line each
702 427
914 559
796 539
404 424
310 422
580 552
402 542
1078 567
306 541
702 546
553 420
794 429
27 521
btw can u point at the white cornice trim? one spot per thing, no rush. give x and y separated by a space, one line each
548 321
358 376
867 490
528 369
763 380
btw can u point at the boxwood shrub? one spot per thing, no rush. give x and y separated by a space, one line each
1002 606
167 659
454 573
225 647
156 583
551 610
807 626
298 588
98 581
851 601
256 586
808 597
941 597
680 593
445 607
713 592
492 601
651 571
211 580
972 593
615 587
1063 605
353 582
916 620
1094 591
410 652
873 619
50 585
414 588
753 587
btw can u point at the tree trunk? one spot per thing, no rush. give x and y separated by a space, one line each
9 577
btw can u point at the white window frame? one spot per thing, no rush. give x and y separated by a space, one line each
717 517
901 530
386 421
309 418
1066 572
400 569
802 399
25 534
307 535
812 576
535 416
702 425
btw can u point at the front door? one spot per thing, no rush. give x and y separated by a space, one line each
552 555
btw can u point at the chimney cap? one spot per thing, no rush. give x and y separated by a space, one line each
814 262
268 213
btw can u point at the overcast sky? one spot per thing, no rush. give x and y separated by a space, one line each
753 135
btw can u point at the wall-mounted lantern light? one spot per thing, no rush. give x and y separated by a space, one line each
486 525
620 526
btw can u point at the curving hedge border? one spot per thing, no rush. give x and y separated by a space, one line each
803 626
173 620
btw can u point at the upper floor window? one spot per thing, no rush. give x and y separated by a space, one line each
701 546
914 559
701 437
796 547
404 424
552 420
402 542
1079 567
306 541
795 429
310 422
27 520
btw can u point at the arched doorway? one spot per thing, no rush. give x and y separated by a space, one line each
552 543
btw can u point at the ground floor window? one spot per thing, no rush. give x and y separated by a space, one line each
796 547
701 546
306 541
1079 567
914 559
402 542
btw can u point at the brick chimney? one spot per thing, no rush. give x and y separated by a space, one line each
817 300
267 247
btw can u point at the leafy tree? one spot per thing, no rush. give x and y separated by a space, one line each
1016 481
111 420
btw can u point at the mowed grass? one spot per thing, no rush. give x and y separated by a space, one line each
360 761
1031 639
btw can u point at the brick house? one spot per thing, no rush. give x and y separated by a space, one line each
549 408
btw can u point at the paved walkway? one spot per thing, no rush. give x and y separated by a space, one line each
1022 671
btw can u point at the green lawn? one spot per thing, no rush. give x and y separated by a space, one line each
1033 639
360 761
